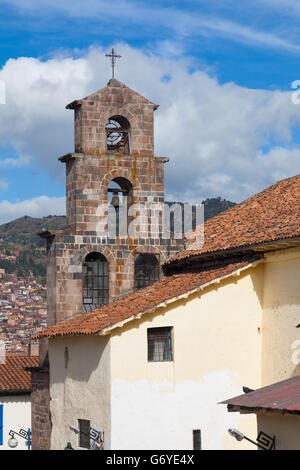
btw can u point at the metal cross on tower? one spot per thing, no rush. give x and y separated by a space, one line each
114 58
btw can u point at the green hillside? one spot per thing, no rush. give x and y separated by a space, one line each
23 231
213 206
19 238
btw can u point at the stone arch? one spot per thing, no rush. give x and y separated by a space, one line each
156 250
111 111
98 248
119 173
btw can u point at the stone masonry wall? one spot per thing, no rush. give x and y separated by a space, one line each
92 113
87 179
89 171
40 410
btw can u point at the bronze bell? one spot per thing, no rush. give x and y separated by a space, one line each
115 201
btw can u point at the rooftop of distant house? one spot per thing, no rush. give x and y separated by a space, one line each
14 379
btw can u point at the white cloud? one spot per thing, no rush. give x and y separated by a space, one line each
18 162
34 118
247 34
36 207
222 139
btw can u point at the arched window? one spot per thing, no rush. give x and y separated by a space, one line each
120 198
95 281
146 270
118 135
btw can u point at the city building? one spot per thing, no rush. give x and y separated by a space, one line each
15 398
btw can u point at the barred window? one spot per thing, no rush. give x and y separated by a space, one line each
146 270
84 427
159 344
95 281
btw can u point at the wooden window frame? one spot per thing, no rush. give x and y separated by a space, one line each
160 335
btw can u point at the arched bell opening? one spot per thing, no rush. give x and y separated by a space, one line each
118 135
120 198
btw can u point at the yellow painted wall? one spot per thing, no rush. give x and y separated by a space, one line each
80 391
238 332
217 350
286 429
281 315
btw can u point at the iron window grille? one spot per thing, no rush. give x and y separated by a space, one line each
146 270
84 426
95 282
159 344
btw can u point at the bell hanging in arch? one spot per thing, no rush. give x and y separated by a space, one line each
115 201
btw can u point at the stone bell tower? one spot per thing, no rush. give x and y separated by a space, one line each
114 241
93 262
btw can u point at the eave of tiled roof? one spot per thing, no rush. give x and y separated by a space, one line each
14 379
136 304
282 396
270 216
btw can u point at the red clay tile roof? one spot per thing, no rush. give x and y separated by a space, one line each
13 377
139 302
273 214
281 396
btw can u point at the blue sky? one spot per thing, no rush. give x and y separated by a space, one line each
221 71
253 43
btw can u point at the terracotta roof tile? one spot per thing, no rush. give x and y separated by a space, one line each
139 302
273 214
281 396
13 377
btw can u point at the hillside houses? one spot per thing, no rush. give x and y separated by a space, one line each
22 311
